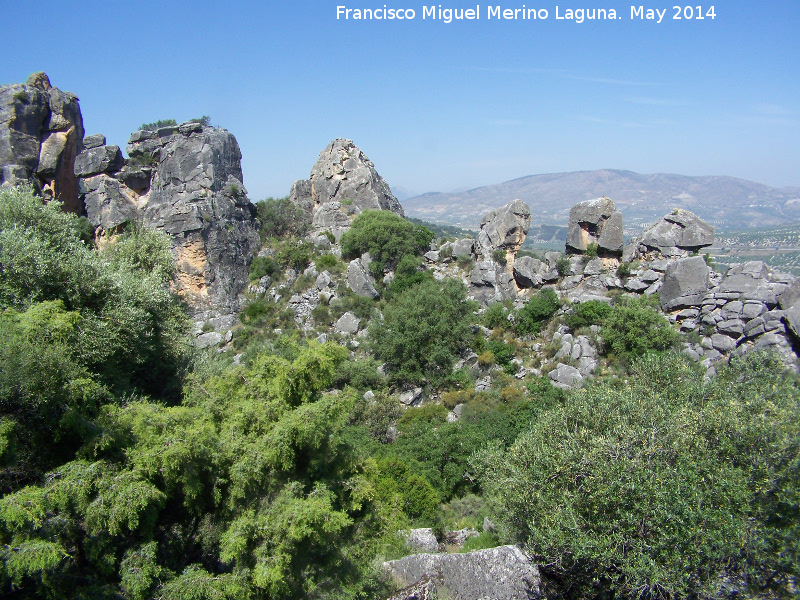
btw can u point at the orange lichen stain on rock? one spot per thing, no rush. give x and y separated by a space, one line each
190 280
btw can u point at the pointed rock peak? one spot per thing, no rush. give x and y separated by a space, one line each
343 174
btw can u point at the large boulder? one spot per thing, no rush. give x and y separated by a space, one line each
490 283
502 573
685 283
343 174
360 281
41 133
676 234
595 222
187 182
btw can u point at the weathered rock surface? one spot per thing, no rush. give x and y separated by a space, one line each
99 159
360 281
503 573
342 174
41 133
490 283
595 222
187 182
685 283
527 272
676 234
347 323
422 540
504 229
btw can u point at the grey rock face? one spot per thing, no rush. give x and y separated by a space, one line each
685 283
677 233
411 397
503 573
595 221
463 247
566 377
360 281
343 174
422 540
41 133
100 159
330 217
187 182
504 229
347 323
94 141
489 283
527 272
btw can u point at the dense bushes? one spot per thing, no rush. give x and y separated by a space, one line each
661 488
386 236
539 309
634 327
279 217
423 331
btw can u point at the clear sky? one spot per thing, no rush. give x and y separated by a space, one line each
436 106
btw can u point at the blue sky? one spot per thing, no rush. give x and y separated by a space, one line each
436 106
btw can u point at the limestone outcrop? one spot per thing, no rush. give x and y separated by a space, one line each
502 573
504 229
677 234
185 181
343 183
595 222
41 133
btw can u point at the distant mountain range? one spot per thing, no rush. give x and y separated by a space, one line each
725 202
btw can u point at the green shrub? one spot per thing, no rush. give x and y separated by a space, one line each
263 265
360 306
540 308
158 124
503 353
499 256
665 487
587 313
496 316
422 332
634 327
466 262
278 217
486 539
624 270
591 250
205 120
326 262
563 265
407 274
386 236
296 255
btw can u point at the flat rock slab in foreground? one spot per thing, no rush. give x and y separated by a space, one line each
503 573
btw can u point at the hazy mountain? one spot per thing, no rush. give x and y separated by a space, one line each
725 202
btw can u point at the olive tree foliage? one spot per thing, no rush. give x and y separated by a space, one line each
280 217
423 331
386 236
669 486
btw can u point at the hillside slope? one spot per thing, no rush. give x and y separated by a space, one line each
725 202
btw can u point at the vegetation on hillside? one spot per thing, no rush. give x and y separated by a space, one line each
135 466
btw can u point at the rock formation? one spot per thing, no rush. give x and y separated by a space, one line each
343 183
41 133
185 181
504 229
503 573
595 222
677 234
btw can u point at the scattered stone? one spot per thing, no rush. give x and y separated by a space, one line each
722 343
347 323
212 338
502 573
360 281
566 377
421 540
411 397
